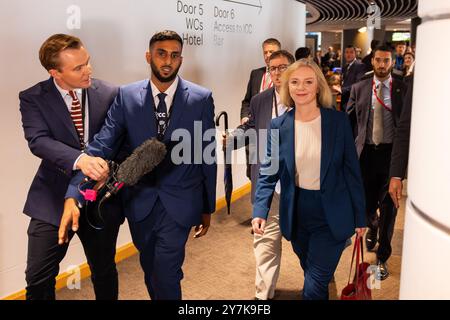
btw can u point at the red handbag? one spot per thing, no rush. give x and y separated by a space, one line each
358 289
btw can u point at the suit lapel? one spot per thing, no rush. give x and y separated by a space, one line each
148 110
366 101
267 107
178 107
258 79
396 100
328 131
94 112
287 135
58 105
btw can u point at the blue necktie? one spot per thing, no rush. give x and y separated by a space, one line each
161 115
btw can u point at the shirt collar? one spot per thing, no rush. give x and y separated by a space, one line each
170 91
386 82
277 95
64 92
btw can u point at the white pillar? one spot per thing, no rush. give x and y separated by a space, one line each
425 270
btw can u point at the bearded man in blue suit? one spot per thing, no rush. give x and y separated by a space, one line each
164 205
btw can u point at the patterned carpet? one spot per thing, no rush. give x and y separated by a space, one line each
220 266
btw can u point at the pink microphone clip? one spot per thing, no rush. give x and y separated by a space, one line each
89 195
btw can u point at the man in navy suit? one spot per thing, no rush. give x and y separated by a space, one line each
60 116
352 72
163 207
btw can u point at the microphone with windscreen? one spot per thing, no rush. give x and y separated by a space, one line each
141 162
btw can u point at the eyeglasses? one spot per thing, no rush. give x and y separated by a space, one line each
280 68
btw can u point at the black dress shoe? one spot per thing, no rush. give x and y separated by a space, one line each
371 240
382 271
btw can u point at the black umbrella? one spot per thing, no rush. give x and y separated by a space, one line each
227 176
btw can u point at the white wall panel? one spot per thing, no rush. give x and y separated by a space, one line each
116 32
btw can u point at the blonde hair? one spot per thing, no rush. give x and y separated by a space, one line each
324 97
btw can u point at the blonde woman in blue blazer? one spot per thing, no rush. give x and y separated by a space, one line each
311 150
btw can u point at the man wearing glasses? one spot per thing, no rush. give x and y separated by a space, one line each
263 108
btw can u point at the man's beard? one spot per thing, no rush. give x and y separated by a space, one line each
160 77
382 75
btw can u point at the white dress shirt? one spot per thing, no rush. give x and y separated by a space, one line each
170 92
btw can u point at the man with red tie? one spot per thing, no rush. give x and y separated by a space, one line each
259 78
60 116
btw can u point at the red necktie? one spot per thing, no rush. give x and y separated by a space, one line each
266 82
77 116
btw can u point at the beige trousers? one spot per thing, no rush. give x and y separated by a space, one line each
267 249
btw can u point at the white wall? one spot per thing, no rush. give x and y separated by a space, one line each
426 254
116 32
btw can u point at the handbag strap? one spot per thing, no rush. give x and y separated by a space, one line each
358 252
355 250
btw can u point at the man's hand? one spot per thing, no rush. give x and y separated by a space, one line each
395 190
93 167
70 217
202 228
258 225
225 140
244 120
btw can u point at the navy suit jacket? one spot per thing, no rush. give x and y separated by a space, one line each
186 190
341 184
51 137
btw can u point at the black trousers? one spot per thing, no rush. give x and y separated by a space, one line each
375 163
45 255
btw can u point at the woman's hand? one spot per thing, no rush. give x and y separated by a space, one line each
360 231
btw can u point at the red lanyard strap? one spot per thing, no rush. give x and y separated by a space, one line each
378 98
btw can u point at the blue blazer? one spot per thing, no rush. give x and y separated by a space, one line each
51 137
186 190
341 184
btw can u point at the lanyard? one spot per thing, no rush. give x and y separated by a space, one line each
162 123
275 103
378 98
